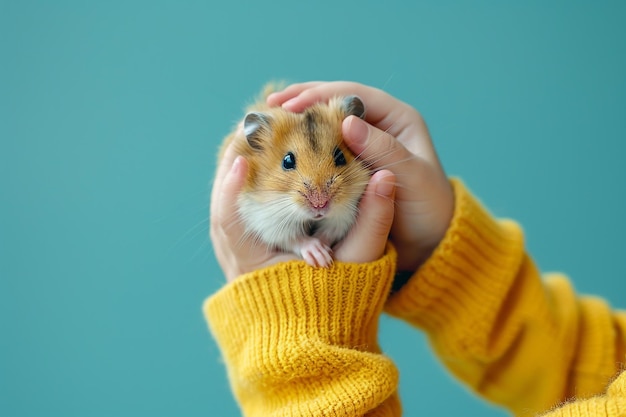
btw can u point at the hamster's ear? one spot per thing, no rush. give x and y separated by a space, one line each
353 106
254 126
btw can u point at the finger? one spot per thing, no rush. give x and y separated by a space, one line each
380 150
225 164
380 106
367 240
377 101
279 97
225 218
382 110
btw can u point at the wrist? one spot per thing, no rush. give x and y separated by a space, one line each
473 261
410 259
426 228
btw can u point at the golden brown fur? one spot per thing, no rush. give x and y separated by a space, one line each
319 196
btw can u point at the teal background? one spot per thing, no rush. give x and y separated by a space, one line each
110 117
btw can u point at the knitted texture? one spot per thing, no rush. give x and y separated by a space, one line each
519 341
301 341
611 404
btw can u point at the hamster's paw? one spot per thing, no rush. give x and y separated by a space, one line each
315 252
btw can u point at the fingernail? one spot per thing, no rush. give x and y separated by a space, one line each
359 131
385 187
236 167
289 103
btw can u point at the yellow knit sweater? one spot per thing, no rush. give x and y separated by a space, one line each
301 341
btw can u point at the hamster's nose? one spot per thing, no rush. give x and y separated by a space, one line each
317 200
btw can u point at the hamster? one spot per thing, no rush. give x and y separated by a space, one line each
304 184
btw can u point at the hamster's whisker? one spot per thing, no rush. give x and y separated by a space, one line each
281 228
373 163
387 198
386 130
192 232
392 124
245 236
372 142
390 164
300 175
387 153
271 193
201 249
380 156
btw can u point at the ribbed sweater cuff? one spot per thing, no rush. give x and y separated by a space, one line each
298 340
339 305
467 274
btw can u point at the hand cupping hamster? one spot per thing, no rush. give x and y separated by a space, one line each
304 184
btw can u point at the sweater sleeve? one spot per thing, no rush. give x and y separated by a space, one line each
521 341
302 341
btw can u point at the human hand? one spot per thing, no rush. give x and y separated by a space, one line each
395 137
238 253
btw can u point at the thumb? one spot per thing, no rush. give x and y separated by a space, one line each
367 240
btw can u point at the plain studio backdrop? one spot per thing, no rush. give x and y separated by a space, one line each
110 117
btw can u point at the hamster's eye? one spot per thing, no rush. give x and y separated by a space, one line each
340 159
289 161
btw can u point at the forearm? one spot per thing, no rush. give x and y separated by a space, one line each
298 340
611 404
516 339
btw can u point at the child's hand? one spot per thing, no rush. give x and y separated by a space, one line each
238 253
395 138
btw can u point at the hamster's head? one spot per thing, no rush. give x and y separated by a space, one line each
300 162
